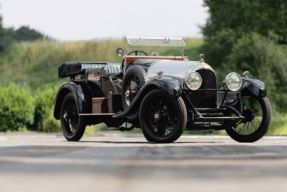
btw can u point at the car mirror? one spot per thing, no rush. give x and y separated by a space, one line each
120 52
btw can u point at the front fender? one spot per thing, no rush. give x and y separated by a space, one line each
170 85
66 88
253 86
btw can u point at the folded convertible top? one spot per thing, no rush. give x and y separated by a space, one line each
74 68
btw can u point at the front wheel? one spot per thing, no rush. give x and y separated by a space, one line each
162 117
257 112
73 126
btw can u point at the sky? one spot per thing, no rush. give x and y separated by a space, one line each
93 19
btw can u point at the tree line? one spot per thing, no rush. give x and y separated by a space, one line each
23 33
250 35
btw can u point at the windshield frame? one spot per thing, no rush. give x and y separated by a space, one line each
137 42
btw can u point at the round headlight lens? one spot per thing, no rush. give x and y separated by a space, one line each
193 80
233 81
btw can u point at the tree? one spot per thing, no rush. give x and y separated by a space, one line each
249 35
4 39
267 18
25 33
1 25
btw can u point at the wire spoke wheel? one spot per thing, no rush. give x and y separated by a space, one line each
133 81
70 116
257 117
162 117
131 89
252 111
72 125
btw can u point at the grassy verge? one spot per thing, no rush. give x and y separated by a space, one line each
279 124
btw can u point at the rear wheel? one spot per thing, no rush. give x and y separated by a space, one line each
162 117
257 113
72 125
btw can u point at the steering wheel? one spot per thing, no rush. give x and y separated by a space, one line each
136 52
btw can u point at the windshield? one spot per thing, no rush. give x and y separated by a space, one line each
156 41
156 45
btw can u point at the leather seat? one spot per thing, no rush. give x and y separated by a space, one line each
113 69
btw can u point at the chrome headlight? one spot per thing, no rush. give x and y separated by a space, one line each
193 80
233 81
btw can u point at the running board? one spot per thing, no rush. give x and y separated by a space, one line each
96 114
217 119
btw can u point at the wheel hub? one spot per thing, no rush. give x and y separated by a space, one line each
65 116
127 93
248 114
156 116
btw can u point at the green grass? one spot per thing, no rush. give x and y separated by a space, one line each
279 124
35 64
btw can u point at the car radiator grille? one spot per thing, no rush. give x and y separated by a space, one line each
206 96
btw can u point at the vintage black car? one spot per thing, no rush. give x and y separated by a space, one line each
162 95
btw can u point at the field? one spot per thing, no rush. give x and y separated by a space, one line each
33 66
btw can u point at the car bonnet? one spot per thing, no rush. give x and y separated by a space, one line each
178 69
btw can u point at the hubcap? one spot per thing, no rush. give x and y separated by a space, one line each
156 116
127 93
131 89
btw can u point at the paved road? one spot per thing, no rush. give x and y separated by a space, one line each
119 162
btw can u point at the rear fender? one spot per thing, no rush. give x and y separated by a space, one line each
66 88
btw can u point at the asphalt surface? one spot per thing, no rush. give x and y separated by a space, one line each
120 162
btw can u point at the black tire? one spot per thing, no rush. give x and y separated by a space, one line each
133 80
162 117
247 131
72 125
